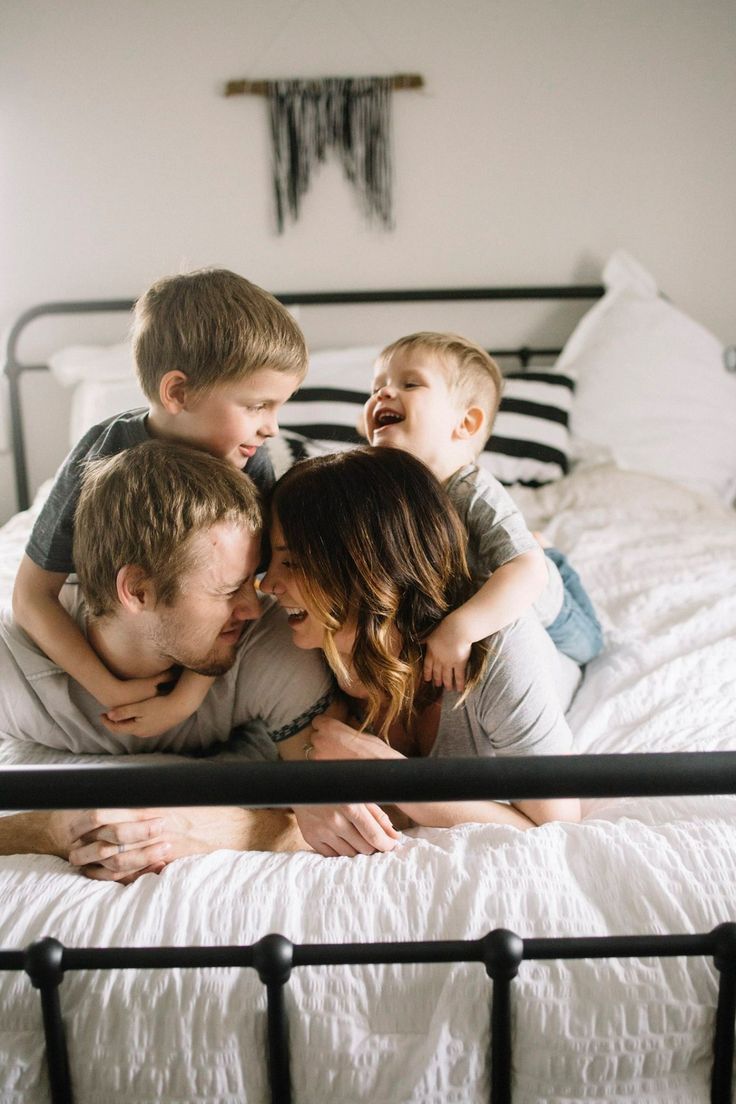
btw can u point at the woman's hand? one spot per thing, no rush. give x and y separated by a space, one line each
332 739
346 829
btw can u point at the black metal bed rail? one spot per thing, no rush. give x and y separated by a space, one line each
285 784
502 952
14 367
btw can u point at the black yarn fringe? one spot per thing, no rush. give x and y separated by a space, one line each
349 115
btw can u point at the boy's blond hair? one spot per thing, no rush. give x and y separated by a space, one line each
142 506
215 327
471 372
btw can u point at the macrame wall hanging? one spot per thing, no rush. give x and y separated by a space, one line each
350 116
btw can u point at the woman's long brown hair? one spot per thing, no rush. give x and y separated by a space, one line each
373 537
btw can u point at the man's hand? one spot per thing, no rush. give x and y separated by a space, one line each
346 829
446 655
121 844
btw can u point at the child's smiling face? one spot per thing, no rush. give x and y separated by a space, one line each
412 407
232 420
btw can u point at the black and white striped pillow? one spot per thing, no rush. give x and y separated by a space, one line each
530 441
530 444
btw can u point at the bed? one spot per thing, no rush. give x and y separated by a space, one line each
571 963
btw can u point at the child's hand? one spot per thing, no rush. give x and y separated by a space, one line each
446 656
158 714
145 718
136 690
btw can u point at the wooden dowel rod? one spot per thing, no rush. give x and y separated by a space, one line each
261 87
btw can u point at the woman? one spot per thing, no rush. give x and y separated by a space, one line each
368 556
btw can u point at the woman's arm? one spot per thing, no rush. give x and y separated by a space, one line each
333 739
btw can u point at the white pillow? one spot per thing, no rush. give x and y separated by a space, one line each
104 382
79 363
94 402
652 386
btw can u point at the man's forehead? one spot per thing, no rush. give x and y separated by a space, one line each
227 548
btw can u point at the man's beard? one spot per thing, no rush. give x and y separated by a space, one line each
212 663
212 670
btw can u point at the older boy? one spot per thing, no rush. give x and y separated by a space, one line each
216 357
435 395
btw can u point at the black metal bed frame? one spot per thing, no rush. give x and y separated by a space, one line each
287 784
501 952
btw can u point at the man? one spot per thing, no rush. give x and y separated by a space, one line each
167 544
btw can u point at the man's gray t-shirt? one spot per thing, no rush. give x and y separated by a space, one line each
280 687
51 540
496 528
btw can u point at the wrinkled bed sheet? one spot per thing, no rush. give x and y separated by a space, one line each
660 564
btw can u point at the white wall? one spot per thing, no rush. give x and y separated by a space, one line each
549 133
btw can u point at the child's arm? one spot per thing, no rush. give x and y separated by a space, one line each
157 715
38 611
511 590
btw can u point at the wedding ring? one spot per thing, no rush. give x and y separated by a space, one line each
308 749
121 848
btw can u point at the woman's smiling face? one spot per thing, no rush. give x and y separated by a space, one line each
282 581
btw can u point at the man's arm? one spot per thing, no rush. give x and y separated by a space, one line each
32 834
121 844
335 740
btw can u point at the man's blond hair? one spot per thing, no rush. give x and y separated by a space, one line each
215 327
471 372
143 506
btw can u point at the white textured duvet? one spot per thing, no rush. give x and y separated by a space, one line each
660 564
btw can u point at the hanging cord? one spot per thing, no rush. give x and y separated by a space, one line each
351 116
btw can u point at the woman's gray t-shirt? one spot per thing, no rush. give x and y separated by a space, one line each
518 708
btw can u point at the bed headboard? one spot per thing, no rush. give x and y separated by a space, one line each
523 354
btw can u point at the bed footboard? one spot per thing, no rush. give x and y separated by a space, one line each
501 952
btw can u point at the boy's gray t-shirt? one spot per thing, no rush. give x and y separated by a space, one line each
51 540
272 684
496 528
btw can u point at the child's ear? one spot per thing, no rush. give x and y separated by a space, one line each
173 392
135 590
472 421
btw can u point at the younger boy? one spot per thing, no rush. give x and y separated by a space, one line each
436 395
216 356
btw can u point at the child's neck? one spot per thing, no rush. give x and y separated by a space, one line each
162 425
451 461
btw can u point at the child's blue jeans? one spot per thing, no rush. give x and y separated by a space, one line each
576 630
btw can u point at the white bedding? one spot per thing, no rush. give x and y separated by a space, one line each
660 564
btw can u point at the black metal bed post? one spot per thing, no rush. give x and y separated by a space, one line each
724 959
43 964
503 952
273 957
13 369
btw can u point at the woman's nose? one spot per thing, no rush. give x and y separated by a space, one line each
269 582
